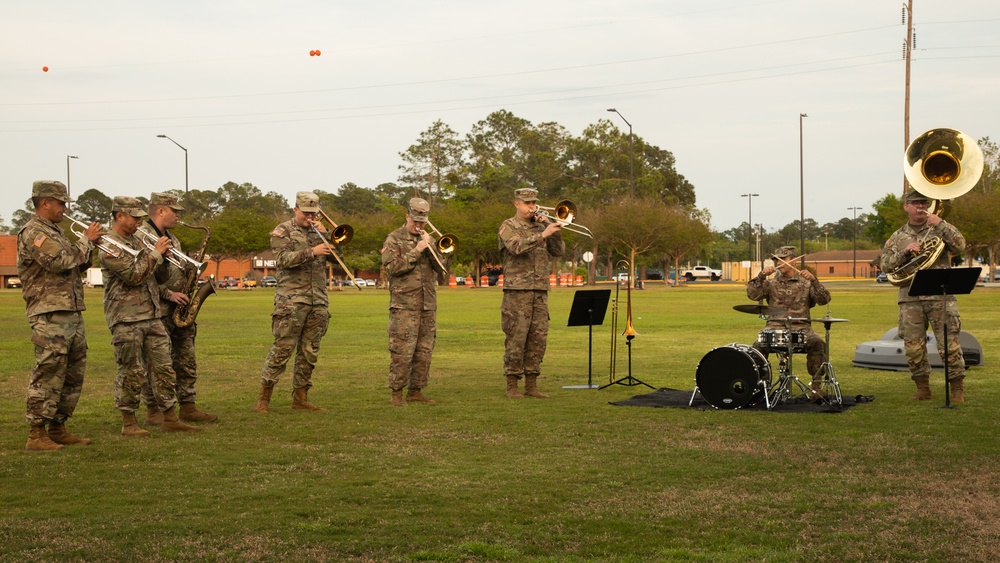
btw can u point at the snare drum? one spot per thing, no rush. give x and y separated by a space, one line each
734 376
781 340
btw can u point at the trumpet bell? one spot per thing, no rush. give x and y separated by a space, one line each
943 163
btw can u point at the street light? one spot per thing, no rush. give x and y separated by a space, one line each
855 210
185 160
68 156
750 223
631 154
802 199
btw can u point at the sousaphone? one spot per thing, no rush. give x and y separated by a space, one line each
941 164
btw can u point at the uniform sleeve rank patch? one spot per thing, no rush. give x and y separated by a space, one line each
279 232
40 240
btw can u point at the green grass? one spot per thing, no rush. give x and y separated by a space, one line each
478 477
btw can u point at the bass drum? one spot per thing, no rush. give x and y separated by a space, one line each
734 376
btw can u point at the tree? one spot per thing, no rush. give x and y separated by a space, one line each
239 234
990 180
92 205
889 216
353 199
432 165
21 217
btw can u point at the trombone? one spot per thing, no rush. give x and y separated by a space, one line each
446 244
339 236
174 256
105 243
563 213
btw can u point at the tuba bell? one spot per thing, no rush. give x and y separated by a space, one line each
941 164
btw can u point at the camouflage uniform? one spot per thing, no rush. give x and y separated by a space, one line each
797 296
412 308
301 304
132 311
916 313
524 313
50 267
172 279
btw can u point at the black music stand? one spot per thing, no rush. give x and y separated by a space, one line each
944 282
588 309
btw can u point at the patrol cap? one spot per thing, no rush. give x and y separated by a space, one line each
307 202
418 209
784 252
170 200
129 205
913 196
526 194
51 188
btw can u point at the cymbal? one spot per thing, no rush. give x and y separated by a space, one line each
759 309
829 320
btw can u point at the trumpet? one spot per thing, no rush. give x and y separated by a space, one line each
563 213
105 243
174 256
339 236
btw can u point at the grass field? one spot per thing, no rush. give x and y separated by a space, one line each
478 477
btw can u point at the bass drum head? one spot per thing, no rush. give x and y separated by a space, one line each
729 377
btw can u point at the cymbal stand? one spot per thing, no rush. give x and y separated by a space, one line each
830 385
781 391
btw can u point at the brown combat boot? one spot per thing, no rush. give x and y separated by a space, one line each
173 424
415 396
300 400
958 390
191 413
130 426
512 392
923 388
39 441
264 399
531 387
397 398
59 435
154 416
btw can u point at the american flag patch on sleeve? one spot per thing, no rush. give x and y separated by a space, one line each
40 240
278 232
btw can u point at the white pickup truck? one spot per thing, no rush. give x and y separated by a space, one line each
697 272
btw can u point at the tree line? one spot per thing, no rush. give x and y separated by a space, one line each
637 204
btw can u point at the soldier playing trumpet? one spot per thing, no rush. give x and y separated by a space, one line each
50 266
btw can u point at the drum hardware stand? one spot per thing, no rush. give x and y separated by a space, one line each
830 385
781 392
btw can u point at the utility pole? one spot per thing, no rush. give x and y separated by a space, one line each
907 51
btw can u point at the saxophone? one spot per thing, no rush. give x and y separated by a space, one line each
184 315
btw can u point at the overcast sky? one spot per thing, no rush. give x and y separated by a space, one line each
720 84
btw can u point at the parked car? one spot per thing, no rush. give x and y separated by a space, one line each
13 281
249 282
701 272
268 281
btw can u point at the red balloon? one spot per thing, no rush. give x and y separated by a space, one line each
45 69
